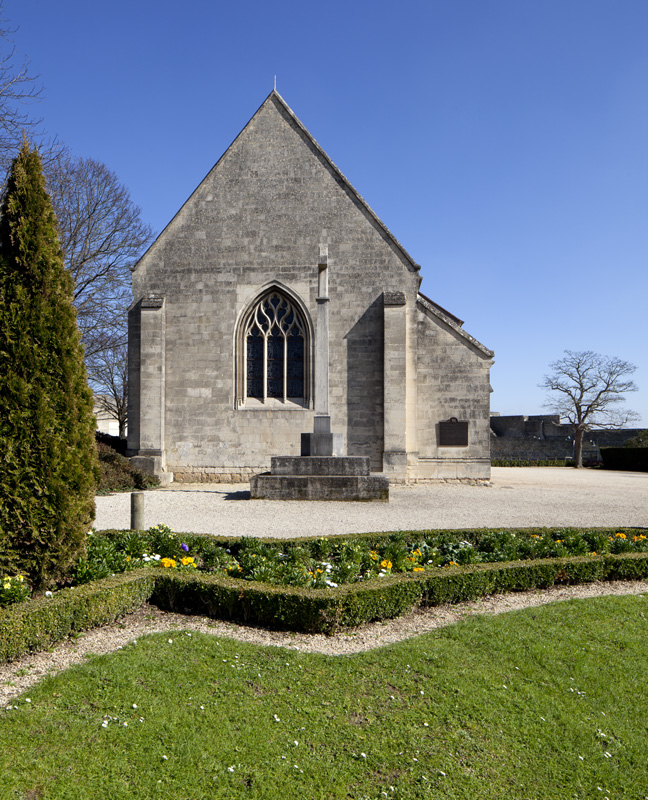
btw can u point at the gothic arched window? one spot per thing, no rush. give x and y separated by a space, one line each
274 346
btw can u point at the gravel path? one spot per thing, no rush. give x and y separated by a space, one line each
525 497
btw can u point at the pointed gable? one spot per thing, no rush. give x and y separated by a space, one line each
213 394
276 187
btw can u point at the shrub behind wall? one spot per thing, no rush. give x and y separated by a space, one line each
631 459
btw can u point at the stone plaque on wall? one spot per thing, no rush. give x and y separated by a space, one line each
453 433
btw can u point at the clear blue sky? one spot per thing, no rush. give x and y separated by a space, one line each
503 142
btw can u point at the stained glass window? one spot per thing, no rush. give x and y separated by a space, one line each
275 348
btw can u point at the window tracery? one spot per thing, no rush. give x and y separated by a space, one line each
274 344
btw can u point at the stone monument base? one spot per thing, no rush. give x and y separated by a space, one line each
319 478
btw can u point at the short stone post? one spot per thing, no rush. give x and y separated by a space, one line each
137 511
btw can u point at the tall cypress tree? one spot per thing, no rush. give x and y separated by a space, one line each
48 461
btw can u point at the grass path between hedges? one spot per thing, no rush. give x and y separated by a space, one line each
541 703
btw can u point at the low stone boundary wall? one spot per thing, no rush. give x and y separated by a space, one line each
199 476
530 449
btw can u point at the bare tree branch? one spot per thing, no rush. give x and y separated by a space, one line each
109 379
589 388
17 90
102 236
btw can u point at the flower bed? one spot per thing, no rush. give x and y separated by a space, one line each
329 563
312 585
319 563
13 589
328 611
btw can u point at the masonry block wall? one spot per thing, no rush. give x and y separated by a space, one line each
543 436
453 378
531 449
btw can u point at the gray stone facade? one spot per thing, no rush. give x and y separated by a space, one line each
398 363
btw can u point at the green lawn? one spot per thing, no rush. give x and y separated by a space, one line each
541 703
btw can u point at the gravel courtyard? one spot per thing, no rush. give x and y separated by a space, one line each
526 497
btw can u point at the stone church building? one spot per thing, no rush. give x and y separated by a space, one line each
222 330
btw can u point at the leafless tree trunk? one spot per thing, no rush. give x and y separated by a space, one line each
579 435
588 389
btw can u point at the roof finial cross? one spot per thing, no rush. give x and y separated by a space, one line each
275 85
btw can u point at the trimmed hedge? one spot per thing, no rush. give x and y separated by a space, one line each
630 459
40 623
327 611
117 474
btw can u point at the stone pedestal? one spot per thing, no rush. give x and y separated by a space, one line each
319 478
322 442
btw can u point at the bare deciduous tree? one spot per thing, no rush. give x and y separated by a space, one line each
109 376
100 228
589 388
102 235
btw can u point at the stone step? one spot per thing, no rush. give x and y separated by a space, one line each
367 488
320 465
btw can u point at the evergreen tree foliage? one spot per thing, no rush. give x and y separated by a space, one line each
640 440
48 460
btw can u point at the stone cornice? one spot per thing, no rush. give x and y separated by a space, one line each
453 323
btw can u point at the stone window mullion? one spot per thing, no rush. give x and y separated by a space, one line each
285 368
265 367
